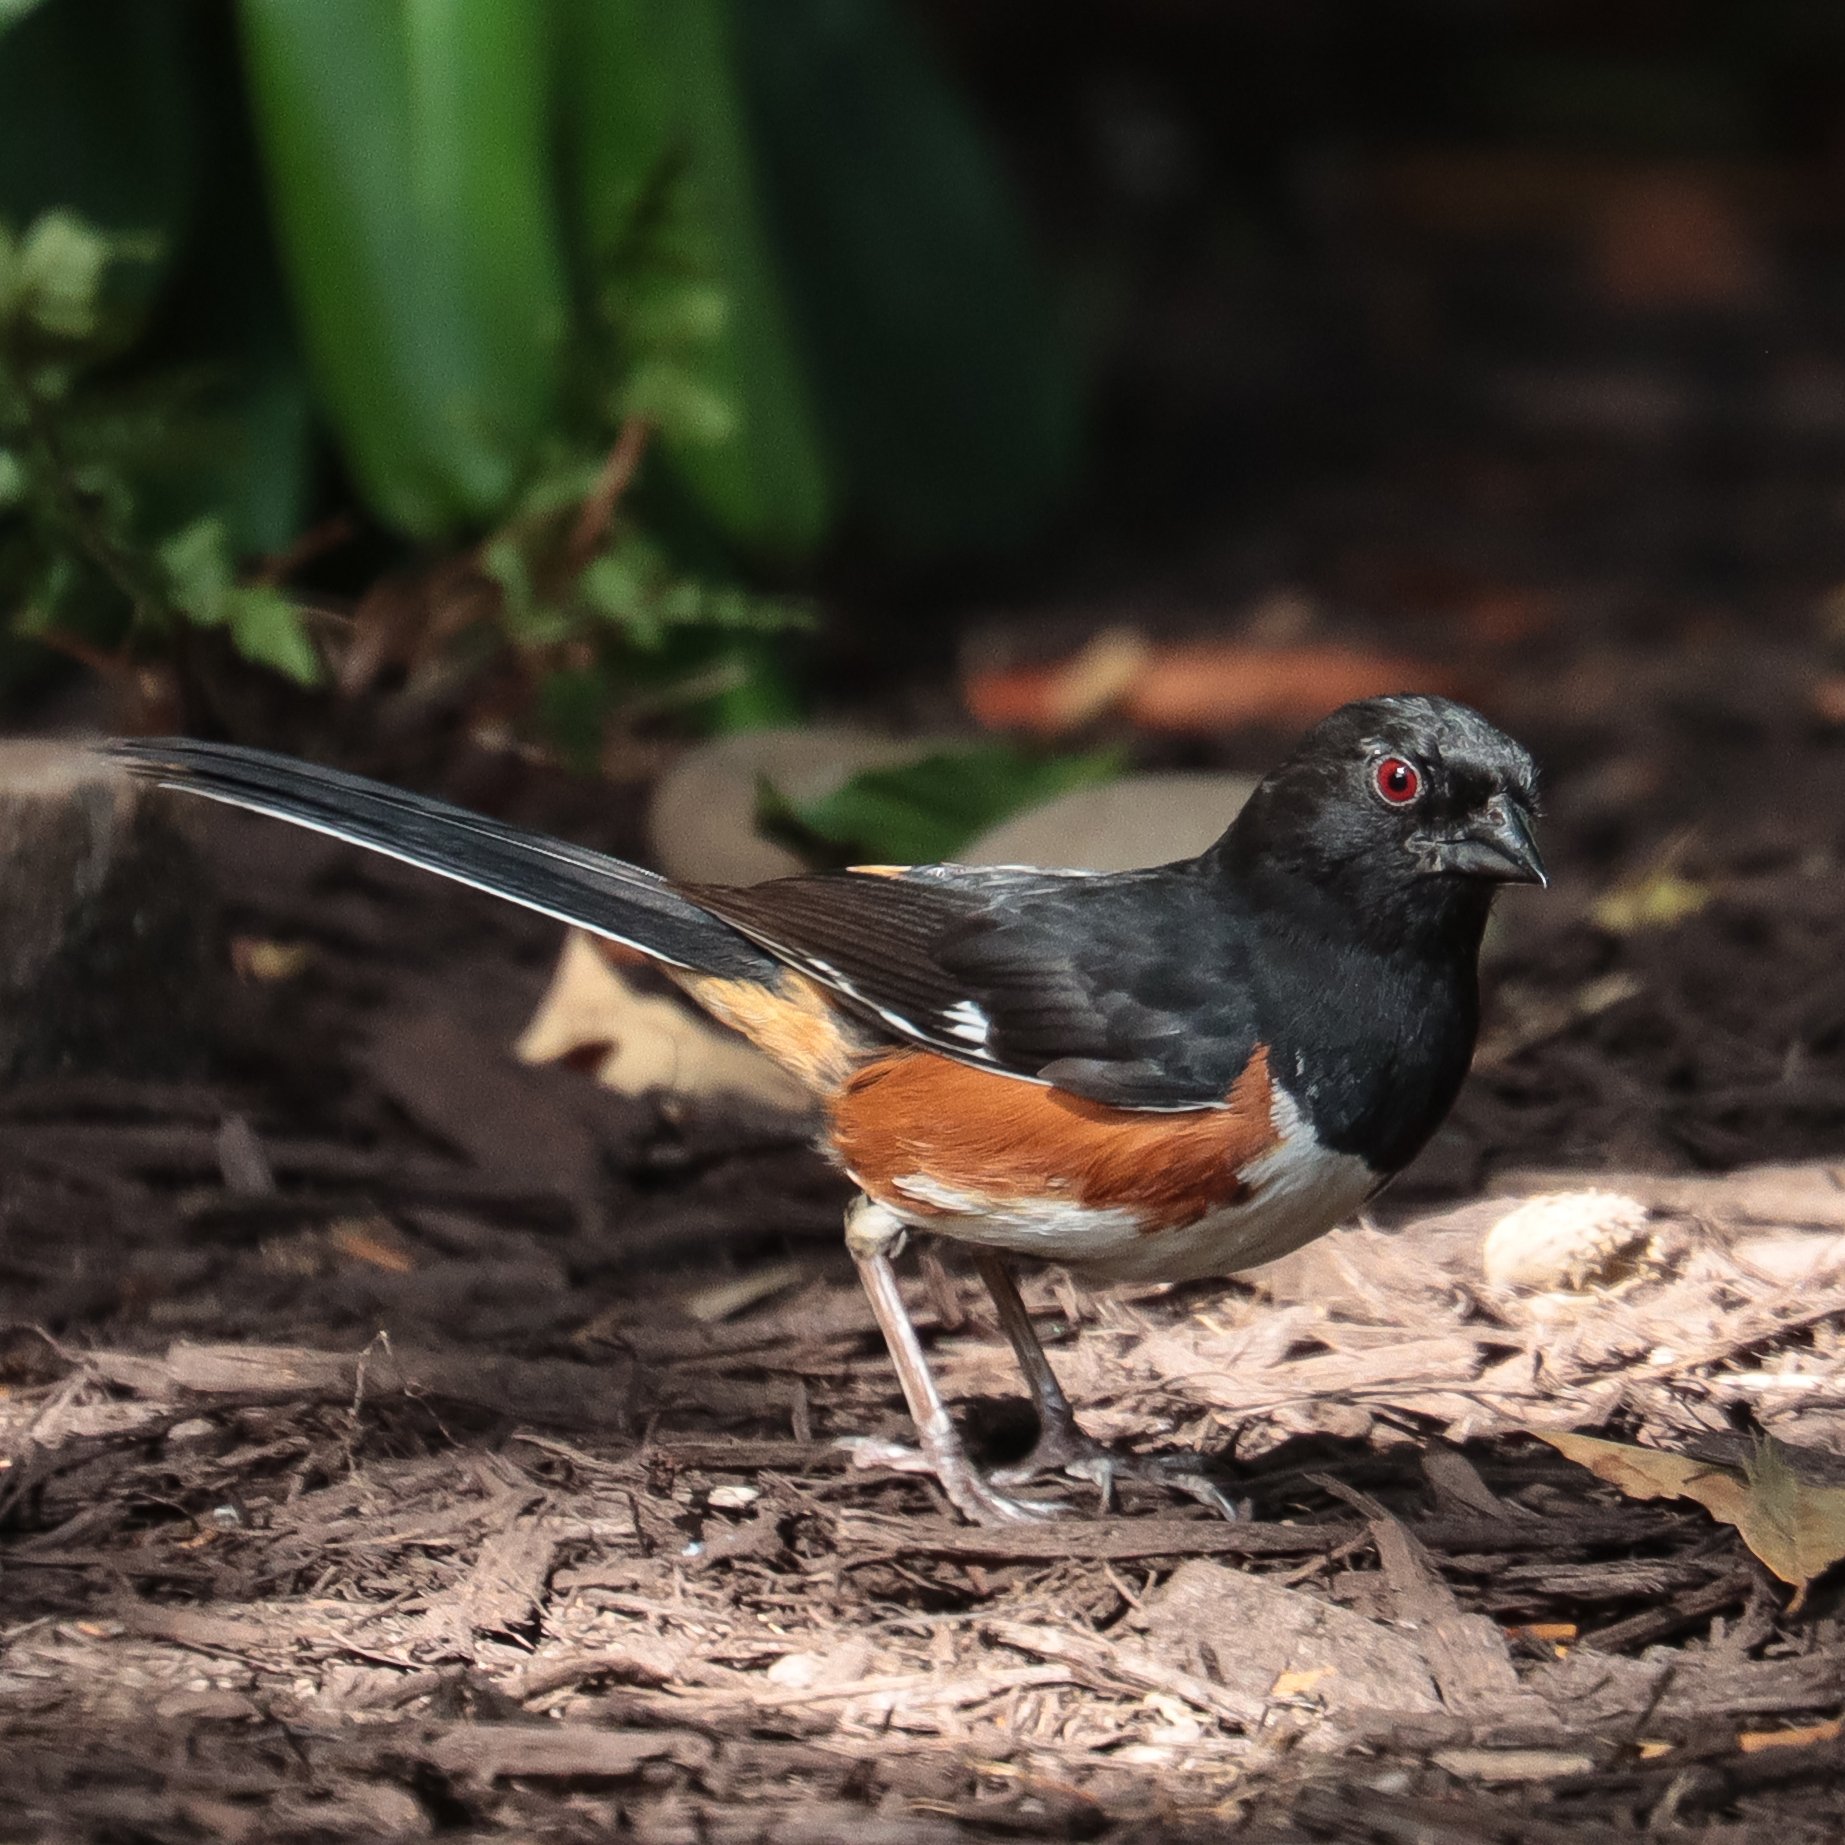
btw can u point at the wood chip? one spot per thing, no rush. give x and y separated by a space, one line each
560 1751
1112 1667
1513 1765
539 1390
1467 1653
1257 1636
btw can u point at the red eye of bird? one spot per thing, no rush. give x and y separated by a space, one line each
1398 781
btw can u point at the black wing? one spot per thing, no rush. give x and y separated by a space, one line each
1129 988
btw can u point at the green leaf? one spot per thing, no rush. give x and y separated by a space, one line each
660 123
928 810
621 118
197 563
951 399
674 313
243 441
621 586
530 621
635 586
759 693
58 275
408 150
100 117
267 627
670 394
9 273
13 11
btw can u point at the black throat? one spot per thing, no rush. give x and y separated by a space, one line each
1367 992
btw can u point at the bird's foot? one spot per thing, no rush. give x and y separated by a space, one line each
972 1494
1067 1448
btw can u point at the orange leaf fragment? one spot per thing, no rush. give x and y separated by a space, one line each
371 1241
1753 1742
1829 699
1193 686
1551 1632
1214 685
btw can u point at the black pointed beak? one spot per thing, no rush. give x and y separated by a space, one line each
1498 847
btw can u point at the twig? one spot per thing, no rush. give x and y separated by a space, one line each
1684 1610
315 542
612 482
868 1538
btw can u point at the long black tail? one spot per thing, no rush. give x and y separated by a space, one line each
588 889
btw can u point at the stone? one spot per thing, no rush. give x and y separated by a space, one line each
109 961
1117 826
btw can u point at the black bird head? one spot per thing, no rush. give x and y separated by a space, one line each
1403 812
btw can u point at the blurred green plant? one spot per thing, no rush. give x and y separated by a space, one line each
496 255
669 211
619 625
71 515
928 810
406 149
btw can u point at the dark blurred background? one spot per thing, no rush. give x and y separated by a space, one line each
1551 285
565 373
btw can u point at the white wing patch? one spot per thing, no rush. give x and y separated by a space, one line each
965 1020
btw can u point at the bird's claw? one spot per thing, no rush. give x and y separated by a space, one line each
974 1496
1067 1449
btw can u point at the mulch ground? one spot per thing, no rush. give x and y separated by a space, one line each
396 1441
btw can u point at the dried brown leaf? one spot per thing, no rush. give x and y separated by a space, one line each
1797 1529
643 1042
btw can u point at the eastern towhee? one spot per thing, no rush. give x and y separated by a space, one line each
1161 1074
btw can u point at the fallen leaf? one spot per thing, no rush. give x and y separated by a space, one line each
255 958
1213 685
1797 1529
642 1042
1536 1017
1753 1742
1092 682
1657 899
